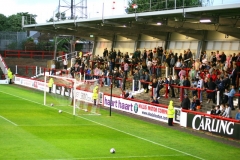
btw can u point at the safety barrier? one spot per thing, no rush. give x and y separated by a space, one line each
29 54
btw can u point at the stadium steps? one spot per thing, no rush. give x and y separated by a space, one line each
12 62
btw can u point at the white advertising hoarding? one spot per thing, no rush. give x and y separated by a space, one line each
141 109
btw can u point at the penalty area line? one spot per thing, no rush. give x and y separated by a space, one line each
124 157
147 140
9 121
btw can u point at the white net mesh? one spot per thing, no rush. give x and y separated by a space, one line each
67 92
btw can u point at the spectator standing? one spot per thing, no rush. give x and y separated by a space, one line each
119 53
65 63
136 78
160 52
186 83
192 73
176 82
158 68
82 67
144 56
230 97
194 86
147 80
182 73
53 68
159 87
220 87
233 75
154 86
225 97
114 55
197 65
178 65
211 93
170 113
186 102
200 87
126 68
172 64
107 80
223 58
154 66
227 81
105 53
117 62
149 64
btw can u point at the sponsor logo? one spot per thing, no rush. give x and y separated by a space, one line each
212 125
135 107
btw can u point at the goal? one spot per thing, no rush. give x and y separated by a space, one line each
70 95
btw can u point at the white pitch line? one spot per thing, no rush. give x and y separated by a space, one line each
162 145
9 121
57 125
123 157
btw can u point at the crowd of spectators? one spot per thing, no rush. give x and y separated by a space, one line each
206 74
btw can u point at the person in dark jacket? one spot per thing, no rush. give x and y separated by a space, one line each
186 102
147 79
233 75
211 94
186 83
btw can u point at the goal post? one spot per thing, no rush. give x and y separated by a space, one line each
70 95
60 93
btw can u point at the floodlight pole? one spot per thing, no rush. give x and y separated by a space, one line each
135 6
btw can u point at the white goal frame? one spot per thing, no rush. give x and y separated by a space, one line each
64 78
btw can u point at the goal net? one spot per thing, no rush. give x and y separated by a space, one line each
71 95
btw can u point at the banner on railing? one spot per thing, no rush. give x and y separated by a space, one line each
141 109
213 125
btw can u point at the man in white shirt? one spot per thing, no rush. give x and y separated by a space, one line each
200 86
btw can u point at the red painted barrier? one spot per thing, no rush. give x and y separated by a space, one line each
29 54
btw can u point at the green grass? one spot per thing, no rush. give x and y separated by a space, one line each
30 130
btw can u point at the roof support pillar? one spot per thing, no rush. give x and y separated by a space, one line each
114 39
167 40
202 44
137 42
94 45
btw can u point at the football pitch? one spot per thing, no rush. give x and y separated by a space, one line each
30 130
